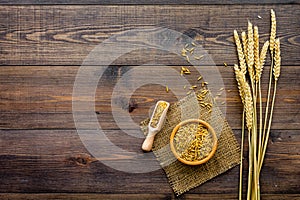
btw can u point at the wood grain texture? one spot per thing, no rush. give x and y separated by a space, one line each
74 196
142 2
92 196
56 161
40 97
42 45
59 35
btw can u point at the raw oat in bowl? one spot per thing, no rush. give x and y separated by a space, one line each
193 142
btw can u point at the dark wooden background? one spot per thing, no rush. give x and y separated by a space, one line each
42 45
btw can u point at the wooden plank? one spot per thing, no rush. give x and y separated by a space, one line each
141 2
56 161
92 196
54 164
60 35
66 121
40 97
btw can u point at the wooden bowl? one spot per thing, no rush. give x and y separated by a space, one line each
210 130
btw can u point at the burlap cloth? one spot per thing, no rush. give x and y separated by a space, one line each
184 177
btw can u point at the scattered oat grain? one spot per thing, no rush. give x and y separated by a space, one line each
204 84
198 57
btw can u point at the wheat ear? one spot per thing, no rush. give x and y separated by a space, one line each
244 41
273 31
240 78
277 60
248 106
257 64
250 51
262 58
240 52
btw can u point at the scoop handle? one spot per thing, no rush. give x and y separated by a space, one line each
148 142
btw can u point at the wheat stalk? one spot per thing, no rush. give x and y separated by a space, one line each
241 156
245 94
248 106
263 55
240 78
255 60
272 45
258 70
276 73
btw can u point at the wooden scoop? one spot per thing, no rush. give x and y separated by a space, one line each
156 122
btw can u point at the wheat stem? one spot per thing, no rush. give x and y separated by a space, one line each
254 142
260 121
263 55
271 46
258 188
241 158
250 166
269 127
276 73
267 106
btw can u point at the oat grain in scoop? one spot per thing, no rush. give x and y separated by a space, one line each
157 114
